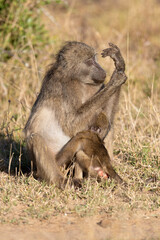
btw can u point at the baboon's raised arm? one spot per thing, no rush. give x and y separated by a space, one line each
107 98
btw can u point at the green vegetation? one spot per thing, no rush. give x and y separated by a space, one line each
20 26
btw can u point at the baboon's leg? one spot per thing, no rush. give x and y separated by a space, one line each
66 154
78 173
93 165
108 166
108 142
44 162
86 164
83 160
74 149
112 173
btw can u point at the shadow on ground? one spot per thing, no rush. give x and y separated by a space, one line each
13 157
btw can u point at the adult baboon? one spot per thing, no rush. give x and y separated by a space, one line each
72 94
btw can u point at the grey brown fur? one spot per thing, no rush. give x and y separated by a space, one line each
69 100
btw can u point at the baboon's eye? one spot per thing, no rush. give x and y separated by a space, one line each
89 62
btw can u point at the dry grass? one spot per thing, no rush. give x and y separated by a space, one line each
134 27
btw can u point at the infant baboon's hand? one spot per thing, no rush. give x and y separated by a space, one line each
115 54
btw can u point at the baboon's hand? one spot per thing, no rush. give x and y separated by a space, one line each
115 54
111 52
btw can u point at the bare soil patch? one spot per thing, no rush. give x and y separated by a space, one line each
134 226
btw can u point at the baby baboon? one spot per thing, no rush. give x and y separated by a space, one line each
88 150
72 94
99 125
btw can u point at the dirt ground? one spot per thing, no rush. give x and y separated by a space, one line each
133 226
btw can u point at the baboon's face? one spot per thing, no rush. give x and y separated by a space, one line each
90 72
80 59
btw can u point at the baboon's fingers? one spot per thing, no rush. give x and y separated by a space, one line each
108 52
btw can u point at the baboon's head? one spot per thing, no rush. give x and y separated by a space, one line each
79 61
100 125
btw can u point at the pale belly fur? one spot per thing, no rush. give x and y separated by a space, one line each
47 126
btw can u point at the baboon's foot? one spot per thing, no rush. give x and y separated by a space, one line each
77 183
